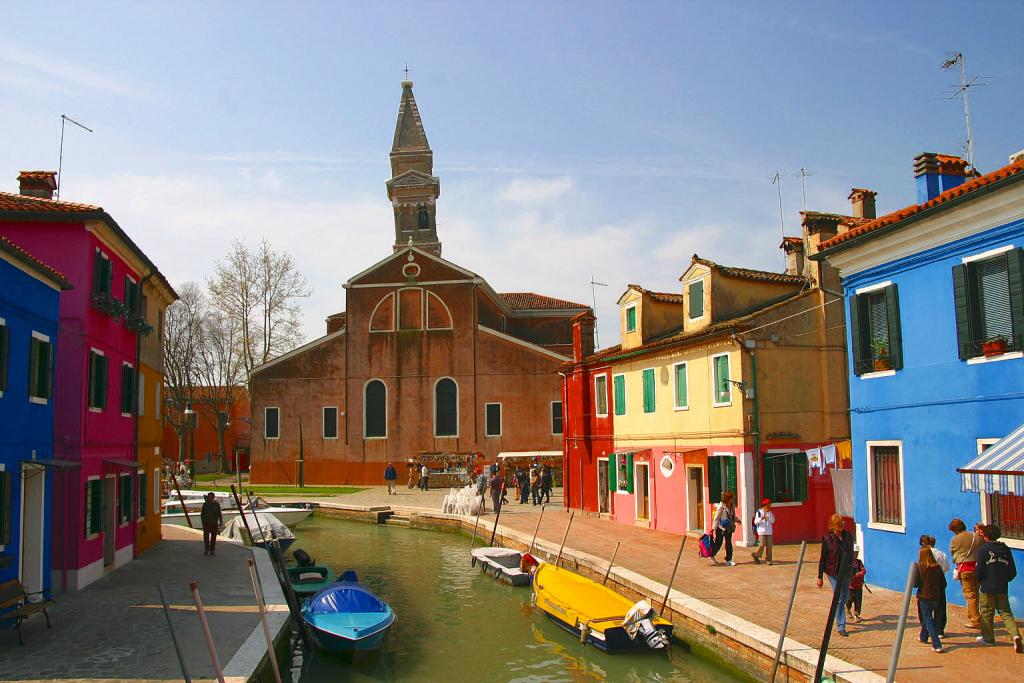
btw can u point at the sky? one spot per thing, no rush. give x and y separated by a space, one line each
575 141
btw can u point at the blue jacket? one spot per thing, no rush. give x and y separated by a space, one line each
390 474
995 568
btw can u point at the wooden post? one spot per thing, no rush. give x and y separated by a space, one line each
241 511
181 498
901 625
564 536
263 619
789 611
497 516
206 632
612 562
844 575
472 541
534 539
174 636
672 579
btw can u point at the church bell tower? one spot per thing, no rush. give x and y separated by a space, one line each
413 189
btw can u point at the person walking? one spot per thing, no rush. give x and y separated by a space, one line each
495 485
995 571
535 486
424 478
837 542
523 479
546 483
212 519
724 525
764 519
931 584
856 600
390 476
414 475
964 549
504 486
927 541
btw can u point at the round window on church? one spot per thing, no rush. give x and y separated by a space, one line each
667 466
411 270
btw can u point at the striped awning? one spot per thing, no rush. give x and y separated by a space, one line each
997 469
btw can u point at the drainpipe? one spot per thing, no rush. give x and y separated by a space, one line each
751 346
135 419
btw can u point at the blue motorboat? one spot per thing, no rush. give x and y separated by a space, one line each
347 617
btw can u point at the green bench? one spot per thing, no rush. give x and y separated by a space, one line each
14 604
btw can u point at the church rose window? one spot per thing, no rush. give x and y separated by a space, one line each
446 408
375 409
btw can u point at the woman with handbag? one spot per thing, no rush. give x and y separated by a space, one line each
724 524
963 547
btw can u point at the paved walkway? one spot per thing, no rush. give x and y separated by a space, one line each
113 629
757 593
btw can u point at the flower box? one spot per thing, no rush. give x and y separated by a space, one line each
994 347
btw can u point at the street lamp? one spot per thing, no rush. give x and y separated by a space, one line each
190 417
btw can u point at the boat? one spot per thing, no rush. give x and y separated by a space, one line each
347 617
173 514
504 564
596 614
270 528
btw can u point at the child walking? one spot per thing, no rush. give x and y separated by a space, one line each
764 519
853 605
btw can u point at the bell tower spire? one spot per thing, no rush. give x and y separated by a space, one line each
413 189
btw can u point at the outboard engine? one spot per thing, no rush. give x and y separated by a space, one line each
302 558
639 626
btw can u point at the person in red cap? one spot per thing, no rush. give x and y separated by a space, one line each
764 519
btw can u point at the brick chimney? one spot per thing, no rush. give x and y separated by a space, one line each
336 322
862 203
936 173
582 335
794 248
40 184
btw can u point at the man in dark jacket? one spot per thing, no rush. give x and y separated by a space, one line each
995 571
212 519
390 475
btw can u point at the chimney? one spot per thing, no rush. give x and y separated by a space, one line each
1017 156
582 335
936 173
40 184
794 248
336 322
862 203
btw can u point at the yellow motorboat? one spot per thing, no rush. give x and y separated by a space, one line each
597 614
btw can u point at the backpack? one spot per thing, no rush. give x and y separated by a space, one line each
705 546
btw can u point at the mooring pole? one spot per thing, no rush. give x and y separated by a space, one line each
472 541
174 636
844 575
564 536
263 619
181 498
789 611
494 531
241 511
206 632
901 625
537 528
611 562
672 579
252 506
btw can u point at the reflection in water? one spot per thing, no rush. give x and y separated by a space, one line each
456 624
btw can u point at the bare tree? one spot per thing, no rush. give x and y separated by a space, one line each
220 374
258 292
182 340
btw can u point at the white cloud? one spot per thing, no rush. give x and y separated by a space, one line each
536 190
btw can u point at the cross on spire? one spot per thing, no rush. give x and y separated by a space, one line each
406 70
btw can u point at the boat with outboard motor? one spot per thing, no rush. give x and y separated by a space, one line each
347 617
596 614
263 526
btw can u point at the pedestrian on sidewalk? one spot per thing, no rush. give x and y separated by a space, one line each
836 543
931 583
504 486
523 480
724 525
212 519
853 605
535 486
390 476
424 478
495 484
546 483
764 519
926 541
964 549
414 474
995 571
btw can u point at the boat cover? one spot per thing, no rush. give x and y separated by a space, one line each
344 598
272 527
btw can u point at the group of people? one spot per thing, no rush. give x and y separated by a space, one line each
534 485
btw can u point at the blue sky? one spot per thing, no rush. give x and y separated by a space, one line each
572 139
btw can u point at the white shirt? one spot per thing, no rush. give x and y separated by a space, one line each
941 558
425 471
763 521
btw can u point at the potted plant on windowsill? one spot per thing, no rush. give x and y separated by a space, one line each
880 354
995 346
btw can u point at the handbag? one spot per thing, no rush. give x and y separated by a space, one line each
967 565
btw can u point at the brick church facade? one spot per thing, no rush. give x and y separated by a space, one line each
426 358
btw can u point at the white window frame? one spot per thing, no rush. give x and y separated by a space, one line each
398 310
782 451
3 323
636 319
36 399
597 478
501 419
703 305
394 316
123 364
986 501
675 385
433 396
637 464
265 410
596 402
881 526
386 409
714 380
625 398
426 312
323 423
551 418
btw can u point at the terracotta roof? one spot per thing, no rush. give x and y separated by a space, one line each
906 212
27 258
19 202
662 297
528 301
749 274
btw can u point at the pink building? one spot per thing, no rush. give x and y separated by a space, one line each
96 399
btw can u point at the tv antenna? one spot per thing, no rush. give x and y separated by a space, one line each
963 91
802 174
593 297
64 118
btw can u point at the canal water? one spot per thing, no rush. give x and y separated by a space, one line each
456 624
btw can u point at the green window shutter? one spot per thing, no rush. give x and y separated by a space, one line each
799 474
962 306
629 473
649 401
769 480
142 495
697 299
1015 272
93 506
731 475
33 365
127 499
102 386
681 397
714 479
613 466
3 357
892 309
619 386
631 319
46 378
93 378
857 335
98 272
6 506
722 389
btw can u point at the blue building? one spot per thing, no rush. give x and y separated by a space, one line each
29 308
935 309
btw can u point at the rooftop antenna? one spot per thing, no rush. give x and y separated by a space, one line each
803 173
593 296
64 118
962 90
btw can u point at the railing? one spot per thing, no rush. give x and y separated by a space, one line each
984 347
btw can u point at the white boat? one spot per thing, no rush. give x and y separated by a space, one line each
270 527
503 564
173 514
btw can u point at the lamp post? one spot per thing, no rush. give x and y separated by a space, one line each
189 424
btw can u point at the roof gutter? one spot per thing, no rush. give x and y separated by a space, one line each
728 331
920 215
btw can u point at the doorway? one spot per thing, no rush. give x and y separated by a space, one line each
602 485
695 497
33 520
643 493
109 519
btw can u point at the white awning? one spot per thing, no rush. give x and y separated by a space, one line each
998 469
531 455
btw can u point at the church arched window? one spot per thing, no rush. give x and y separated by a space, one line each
375 410
438 315
446 407
423 218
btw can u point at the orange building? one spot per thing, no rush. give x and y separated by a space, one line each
202 443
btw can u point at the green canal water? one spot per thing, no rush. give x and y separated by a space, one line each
456 624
